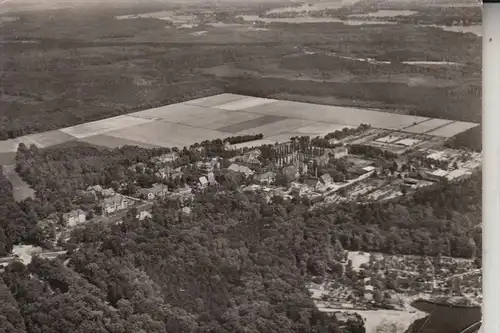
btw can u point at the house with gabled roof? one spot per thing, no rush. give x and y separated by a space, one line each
326 179
211 178
241 169
116 203
266 177
154 192
203 181
74 217
312 182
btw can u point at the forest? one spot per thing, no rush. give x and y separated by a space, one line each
470 139
17 221
236 263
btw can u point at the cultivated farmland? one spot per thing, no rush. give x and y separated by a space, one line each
428 125
452 129
226 115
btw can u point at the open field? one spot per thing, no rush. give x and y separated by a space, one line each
245 103
215 100
186 123
427 126
452 129
50 138
167 134
108 141
103 126
251 124
21 189
337 115
287 125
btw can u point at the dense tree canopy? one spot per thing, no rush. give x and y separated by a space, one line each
236 263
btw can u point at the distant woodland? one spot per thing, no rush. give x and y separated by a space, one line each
70 72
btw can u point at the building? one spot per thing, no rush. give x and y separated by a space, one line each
183 190
116 203
74 217
165 172
369 168
312 182
303 169
95 189
436 175
290 172
206 167
321 160
340 152
368 294
266 177
298 190
166 158
241 169
108 192
142 215
154 192
203 181
176 173
326 179
211 178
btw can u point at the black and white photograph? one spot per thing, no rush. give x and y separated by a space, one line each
242 166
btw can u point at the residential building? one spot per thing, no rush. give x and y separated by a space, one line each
211 178
303 169
296 190
290 172
166 158
176 173
154 192
142 215
203 181
369 168
165 172
116 203
186 210
95 189
241 169
340 152
368 295
205 167
108 192
436 175
266 177
312 182
74 217
183 190
321 160
326 179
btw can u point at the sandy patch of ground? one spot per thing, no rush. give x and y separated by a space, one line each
358 258
25 252
384 321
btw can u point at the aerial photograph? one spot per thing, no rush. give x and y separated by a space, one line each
240 166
